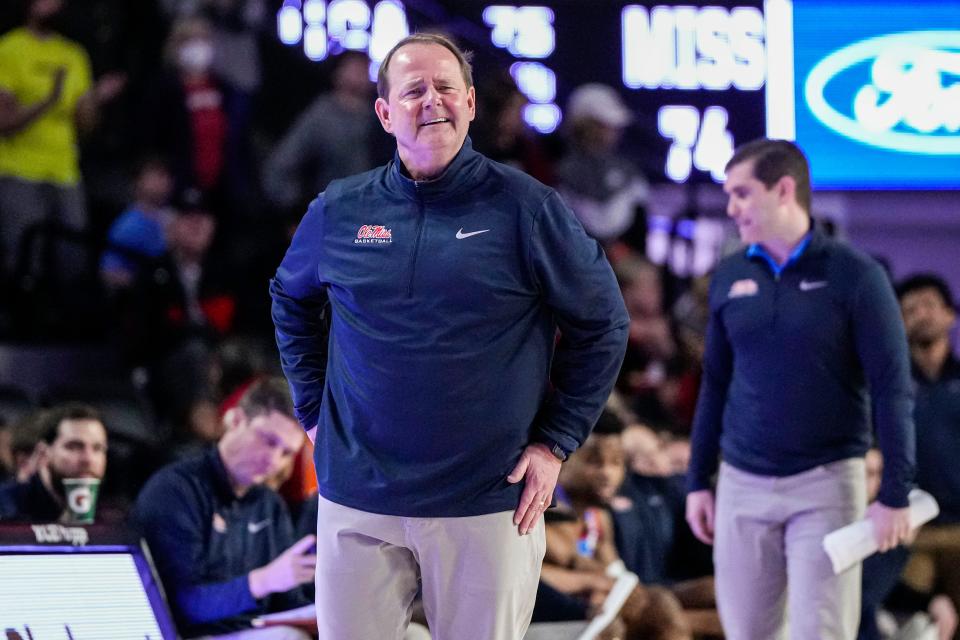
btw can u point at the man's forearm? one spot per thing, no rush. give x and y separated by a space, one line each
567 580
301 334
584 373
257 584
881 345
86 113
708 417
705 432
14 118
215 600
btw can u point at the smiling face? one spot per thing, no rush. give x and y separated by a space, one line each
428 109
757 211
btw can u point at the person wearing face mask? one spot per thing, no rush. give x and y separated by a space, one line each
416 314
188 114
236 25
47 99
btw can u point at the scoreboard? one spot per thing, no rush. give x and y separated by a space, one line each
869 88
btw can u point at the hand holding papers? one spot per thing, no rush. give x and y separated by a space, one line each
854 542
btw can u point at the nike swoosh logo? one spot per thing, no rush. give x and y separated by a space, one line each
461 235
257 527
808 285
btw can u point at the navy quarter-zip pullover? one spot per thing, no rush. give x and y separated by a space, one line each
430 370
791 356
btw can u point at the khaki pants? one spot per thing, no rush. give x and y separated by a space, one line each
769 556
478 575
415 632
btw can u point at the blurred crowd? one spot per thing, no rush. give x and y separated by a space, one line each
155 242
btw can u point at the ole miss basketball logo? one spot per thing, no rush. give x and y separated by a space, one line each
373 234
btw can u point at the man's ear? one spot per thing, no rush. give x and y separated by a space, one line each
233 418
787 190
382 107
472 102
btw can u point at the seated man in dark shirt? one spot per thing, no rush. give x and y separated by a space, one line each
74 445
930 317
223 542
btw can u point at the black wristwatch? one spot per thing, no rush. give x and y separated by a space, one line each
558 452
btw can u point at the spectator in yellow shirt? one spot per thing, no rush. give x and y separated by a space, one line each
46 97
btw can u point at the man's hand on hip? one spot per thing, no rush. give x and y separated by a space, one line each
700 514
890 526
539 469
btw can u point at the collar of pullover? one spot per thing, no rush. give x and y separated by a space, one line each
462 174
810 244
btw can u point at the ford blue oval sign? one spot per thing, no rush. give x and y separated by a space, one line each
870 89
911 99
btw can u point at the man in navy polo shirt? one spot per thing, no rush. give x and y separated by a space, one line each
802 327
223 542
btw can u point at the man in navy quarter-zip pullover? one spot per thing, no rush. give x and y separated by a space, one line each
802 327
416 314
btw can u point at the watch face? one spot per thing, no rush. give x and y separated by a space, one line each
558 451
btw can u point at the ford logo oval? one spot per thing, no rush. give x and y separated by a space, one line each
912 100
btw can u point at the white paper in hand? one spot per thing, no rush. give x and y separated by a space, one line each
851 544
